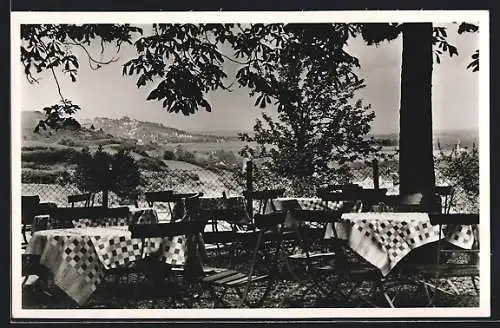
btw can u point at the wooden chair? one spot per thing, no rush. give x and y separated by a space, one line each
335 260
253 285
29 208
173 200
434 275
32 207
87 199
153 278
264 198
371 197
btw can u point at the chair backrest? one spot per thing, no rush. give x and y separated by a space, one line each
264 197
163 230
64 215
158 196
406 203
87 198
339 188
459 218
29 206
175 201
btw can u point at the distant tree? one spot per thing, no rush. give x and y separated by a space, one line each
168 155
319 126
101 171
461 168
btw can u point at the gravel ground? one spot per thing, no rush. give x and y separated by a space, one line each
285 293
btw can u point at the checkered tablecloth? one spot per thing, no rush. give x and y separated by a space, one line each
305 204
313 203
79 257
136 215
383 239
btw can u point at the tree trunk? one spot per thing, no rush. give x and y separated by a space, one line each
416 165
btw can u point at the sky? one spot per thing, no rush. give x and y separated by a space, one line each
107 93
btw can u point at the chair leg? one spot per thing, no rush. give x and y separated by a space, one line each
474 284
24 234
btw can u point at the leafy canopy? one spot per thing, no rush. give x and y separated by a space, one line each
183 62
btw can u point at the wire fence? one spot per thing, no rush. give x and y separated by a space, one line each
215 182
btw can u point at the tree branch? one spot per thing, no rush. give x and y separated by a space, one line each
90 58
58 86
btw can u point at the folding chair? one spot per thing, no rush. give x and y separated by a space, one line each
29 208
434 276
174 202
253 286
264 198
162 277
87 199
316 253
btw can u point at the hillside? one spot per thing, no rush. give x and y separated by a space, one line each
148 132
125 127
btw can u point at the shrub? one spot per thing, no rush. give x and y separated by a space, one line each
50 156
108 141
31 148
70 143
186 156
151 164
168 155
93 173
40 176
461 170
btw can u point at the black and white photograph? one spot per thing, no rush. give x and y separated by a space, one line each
250 164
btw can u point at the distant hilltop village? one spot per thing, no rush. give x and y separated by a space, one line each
147 132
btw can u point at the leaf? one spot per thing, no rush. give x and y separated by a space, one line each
206 105
452 50
467 27
153 95
259 99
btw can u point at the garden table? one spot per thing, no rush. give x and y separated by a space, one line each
79 257
303 203
385 238
136 215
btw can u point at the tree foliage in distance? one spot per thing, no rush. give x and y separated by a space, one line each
51 46
461 168
321 125
99 171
